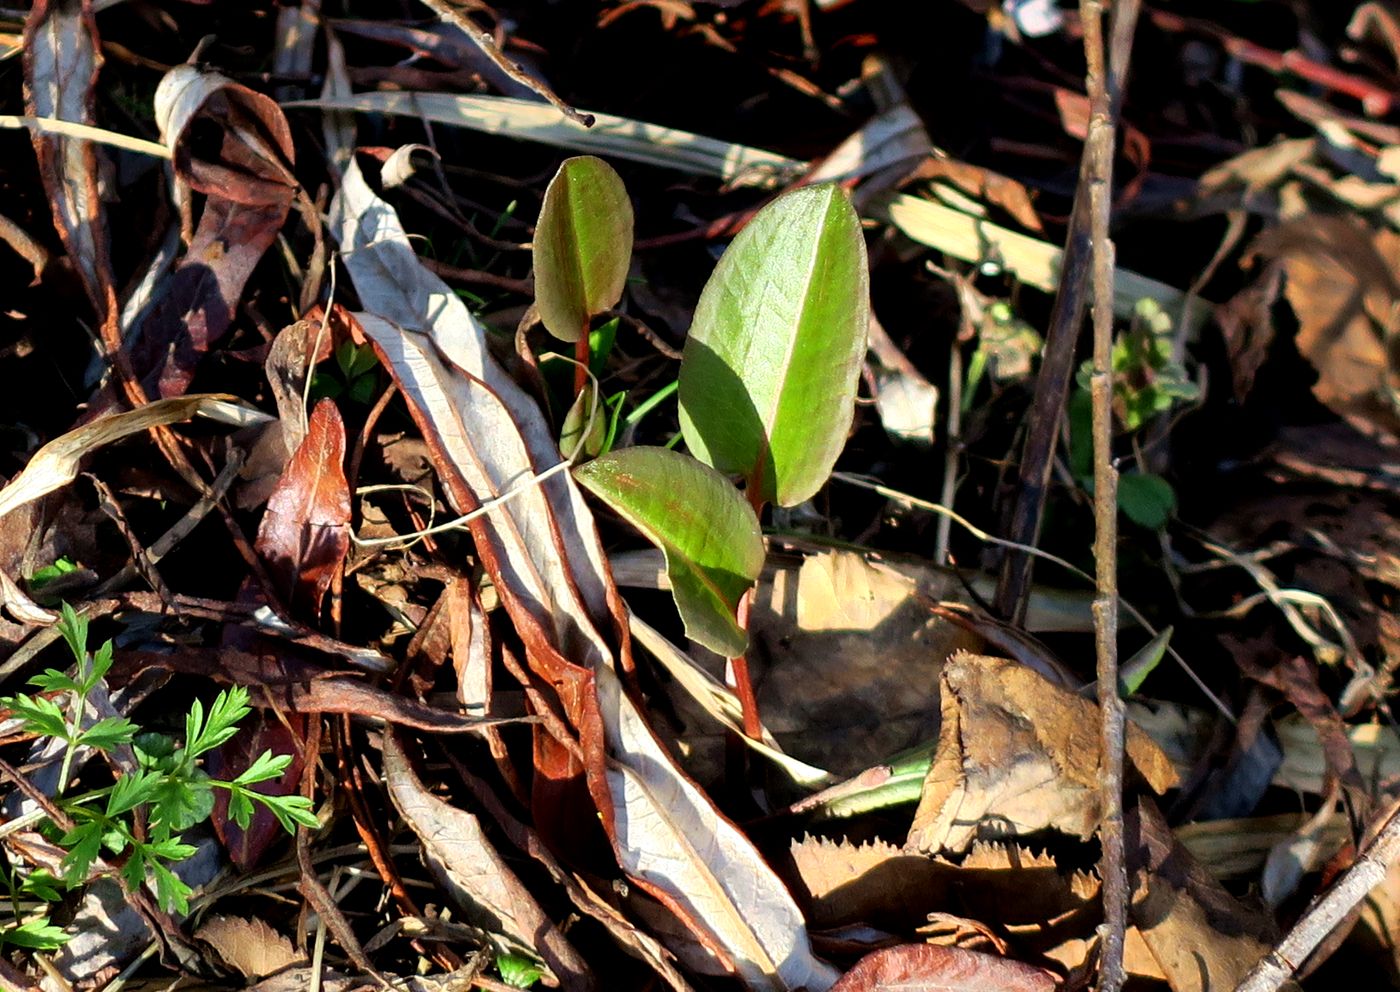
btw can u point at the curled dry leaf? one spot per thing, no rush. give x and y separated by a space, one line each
1341 280
56 463
248 189
927 968
61 61
1019 751
463 859
305 533
486 437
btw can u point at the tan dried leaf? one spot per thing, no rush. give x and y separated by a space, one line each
249 946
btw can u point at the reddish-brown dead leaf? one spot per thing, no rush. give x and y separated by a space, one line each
305 533
927 968
248 186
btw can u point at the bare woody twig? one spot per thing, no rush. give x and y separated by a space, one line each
484 41
1022 523
1098 166
1322 916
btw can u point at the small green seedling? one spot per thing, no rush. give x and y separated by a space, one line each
358 380
518 972
167 789
767 392
1147 382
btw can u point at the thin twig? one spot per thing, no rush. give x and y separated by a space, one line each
486 43
1322 916
1098 157
1022 522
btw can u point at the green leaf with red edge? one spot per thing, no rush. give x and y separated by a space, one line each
583 245
768 380
710 535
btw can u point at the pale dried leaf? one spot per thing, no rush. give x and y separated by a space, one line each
249 946
458 851
1017 754
56 463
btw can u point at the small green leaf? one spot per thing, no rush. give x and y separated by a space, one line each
710 535
38 935
107 733
39 714
82 843
229 707
53 680
180 803
74 627
585 415
131 791
41 884
172 894
583 245
1147 500
101 663
768 381
289 810
43 576
1133 672
518 972
265 767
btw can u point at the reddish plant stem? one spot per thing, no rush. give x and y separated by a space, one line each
743 684
582 354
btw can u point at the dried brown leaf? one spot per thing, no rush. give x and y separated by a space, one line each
305 533
458 851
927 968
1203 939
249 946
1017 753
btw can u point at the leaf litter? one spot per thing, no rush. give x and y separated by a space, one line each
791 746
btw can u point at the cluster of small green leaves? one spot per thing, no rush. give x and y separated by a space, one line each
167 788
1148 381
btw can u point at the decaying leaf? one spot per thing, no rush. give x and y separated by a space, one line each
280 733
249 946
56 463
462 857
928 968
248 188
1340 278
1017 754
1204 940
62 56
305 533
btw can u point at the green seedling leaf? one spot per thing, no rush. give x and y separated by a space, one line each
83 844
132 790
74 628
107 733
586 423
518 972
264 767
40 715
41 884
768 380
52 680
600 346
37 935
1133 672
710 535
583 246
43 576
1147 500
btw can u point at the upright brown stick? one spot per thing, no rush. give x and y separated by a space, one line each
1021 524
1098 159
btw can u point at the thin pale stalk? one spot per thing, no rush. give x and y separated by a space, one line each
1323 916
1099 160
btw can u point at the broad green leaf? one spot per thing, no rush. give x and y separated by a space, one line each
768 381
583 245
710 535
1146 499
